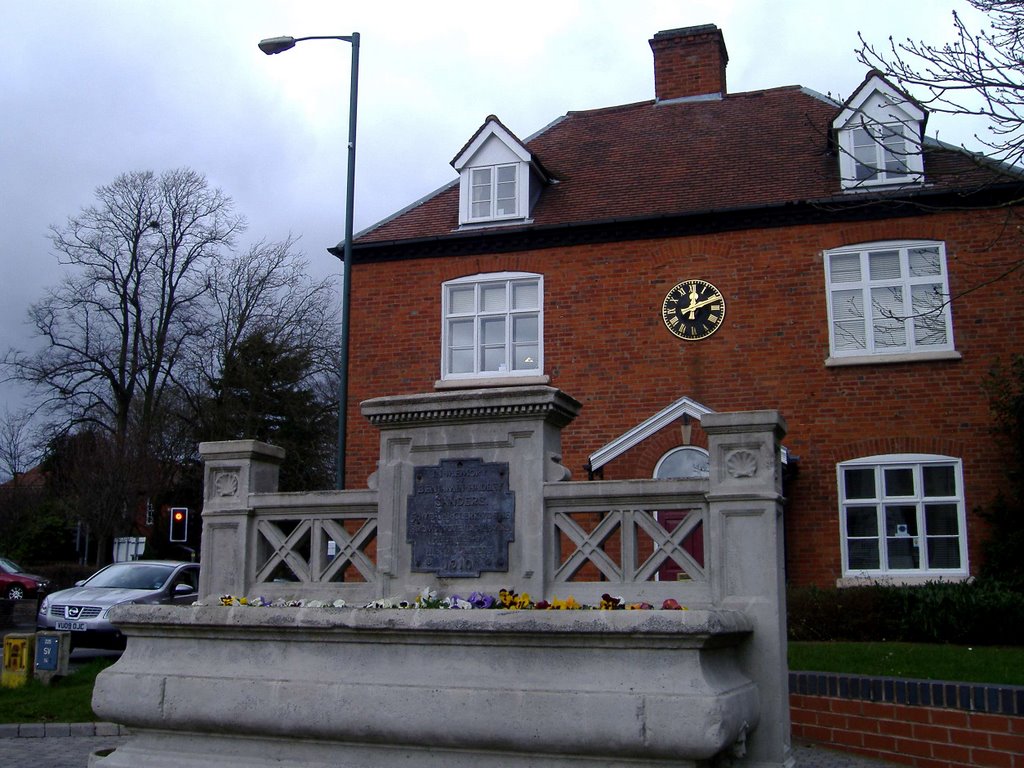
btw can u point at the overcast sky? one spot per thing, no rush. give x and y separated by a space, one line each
94 88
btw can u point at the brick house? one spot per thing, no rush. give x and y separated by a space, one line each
715 251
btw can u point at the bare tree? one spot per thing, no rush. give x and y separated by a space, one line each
137 265
979 74
267 290
153 303
264 299
16 447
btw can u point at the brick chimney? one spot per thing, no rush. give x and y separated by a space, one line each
689 62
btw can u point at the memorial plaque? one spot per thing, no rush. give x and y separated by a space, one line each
461 518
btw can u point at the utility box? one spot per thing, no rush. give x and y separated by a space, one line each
17 659
53 652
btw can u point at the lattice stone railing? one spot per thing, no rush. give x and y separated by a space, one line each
325 549
639 539
643 540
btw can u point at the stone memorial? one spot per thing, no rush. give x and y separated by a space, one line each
469 498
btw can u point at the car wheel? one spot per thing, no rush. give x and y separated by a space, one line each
15 592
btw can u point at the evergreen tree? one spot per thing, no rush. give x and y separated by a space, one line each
265 393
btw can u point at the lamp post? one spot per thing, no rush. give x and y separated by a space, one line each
270 46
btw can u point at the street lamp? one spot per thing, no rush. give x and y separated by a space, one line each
270 46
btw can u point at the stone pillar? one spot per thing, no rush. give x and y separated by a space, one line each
232 470
746 564
517 426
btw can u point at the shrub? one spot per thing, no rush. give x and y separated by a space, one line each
978 612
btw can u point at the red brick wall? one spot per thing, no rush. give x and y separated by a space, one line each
925 737
689 62
606 345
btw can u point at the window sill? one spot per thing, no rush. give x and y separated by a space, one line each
879 359
492 381
492 223
907 182
899 580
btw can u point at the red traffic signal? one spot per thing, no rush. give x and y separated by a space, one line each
179 524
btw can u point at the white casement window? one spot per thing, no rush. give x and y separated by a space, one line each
902 515
493 326
494 192
888 298
882 154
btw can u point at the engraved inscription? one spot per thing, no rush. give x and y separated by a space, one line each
461 518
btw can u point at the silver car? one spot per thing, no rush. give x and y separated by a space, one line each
83 609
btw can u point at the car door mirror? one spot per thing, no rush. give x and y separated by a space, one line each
183 589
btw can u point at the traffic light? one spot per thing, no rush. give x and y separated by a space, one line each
179 524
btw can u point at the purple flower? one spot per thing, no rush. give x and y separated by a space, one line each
480 600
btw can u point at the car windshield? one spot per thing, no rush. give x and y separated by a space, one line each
10 566
132 576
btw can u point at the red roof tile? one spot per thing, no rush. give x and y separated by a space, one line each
650 159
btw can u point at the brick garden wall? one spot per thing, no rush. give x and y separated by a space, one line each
920 723
606 345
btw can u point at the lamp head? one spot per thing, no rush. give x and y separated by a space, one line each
272 45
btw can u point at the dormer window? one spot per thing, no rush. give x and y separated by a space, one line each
879 134
499 180
881 153
494 192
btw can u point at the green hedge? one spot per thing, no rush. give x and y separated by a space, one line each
977 612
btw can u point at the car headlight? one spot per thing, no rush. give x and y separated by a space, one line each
44 607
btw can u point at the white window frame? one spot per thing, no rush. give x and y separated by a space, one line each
448 316
879 322
918 538
908 158
493 190
700 464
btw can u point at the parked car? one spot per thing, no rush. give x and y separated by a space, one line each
83 610
16 584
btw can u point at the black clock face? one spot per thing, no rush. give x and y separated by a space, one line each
693 310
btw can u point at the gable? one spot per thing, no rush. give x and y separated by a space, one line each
492 143
878 101
684 406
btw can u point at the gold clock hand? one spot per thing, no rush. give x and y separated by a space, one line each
700 304
695 305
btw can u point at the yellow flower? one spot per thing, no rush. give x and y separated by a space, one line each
569 604
521 601
609 603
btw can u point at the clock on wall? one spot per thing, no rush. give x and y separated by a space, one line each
693 310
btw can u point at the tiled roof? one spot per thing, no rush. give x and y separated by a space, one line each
741 151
